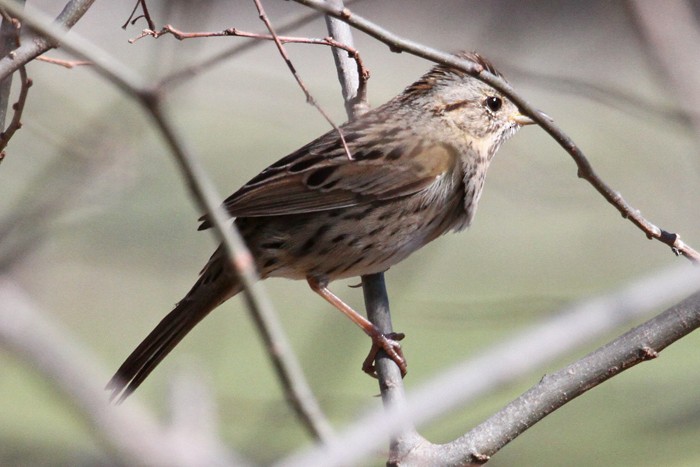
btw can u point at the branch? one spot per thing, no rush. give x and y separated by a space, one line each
520 355
373 286
585 170
199 184
388 372
64 63
55 32
145 15
30 49
636 346
353 85
9 40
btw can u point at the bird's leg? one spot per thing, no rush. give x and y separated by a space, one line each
387 342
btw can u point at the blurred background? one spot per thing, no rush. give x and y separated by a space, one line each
94 201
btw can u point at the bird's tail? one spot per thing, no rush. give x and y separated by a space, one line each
213 287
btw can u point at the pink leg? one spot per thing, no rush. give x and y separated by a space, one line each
387 342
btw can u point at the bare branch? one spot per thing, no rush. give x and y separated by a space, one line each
585 170
30 49
521 355
388 372
9 40
198 182
354 85
636 346
53 33
373 286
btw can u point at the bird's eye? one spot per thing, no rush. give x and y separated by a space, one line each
493 103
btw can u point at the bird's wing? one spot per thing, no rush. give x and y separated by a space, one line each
320 176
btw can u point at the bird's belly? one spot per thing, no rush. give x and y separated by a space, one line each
341 243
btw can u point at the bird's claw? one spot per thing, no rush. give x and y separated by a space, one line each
389 343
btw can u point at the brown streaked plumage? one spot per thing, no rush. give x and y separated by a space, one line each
418 169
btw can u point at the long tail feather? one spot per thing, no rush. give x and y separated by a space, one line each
208 293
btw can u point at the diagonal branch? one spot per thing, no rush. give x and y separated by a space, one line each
640 344
520 355
199 185
585 169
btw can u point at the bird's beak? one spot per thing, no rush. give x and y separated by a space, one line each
523 120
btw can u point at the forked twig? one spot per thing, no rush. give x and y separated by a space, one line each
309 98
145 15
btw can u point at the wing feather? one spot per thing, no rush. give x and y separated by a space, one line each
320 177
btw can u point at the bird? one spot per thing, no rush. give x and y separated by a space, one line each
415 171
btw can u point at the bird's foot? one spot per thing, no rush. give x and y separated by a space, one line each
389 343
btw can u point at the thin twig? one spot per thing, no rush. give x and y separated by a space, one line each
585 170
145 15
296 389
64 63
182 75
309 98
353 53
17 109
